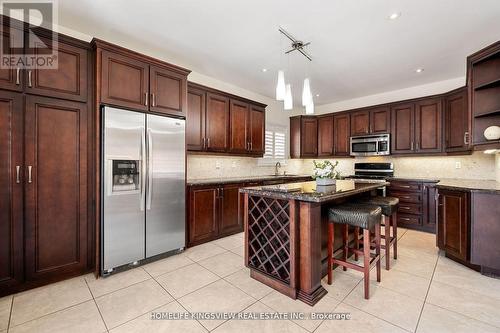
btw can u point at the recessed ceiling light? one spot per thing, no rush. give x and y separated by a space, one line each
264 70
317 95
394 15
419 70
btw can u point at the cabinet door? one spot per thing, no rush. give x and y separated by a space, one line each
295 137
341 135
217 123
456 122
360 123
238 128
428 124
230 221
453 222
11 78
402 128
309 137
380 120
167 91
203 214
68 81
257 130
56 188
11 190
124 81
195 120
325 136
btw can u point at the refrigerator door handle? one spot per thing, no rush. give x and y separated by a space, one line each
150 170
143 169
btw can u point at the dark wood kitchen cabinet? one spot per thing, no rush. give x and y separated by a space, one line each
56 188
360 122
11 190
230 221
370 121
402 128
341 134
454 223
11 78
221 123
131 80
217 123
69 80
303 136
325 135
457 121
428 126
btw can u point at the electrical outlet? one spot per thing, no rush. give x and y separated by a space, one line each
458 165
217 164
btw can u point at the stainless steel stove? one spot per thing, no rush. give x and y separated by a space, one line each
373 173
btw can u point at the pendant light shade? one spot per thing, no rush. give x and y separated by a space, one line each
306 93
288 105
310 108
280 87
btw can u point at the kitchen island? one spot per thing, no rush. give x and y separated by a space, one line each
285 233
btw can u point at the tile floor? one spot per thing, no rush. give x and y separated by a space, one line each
423 292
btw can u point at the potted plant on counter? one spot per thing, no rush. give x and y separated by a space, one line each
325 173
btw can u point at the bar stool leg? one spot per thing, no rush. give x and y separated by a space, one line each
387 238
345 238
330 252
366 259
377 249
394 220
356 242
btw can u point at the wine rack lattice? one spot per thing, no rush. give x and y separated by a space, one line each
269 236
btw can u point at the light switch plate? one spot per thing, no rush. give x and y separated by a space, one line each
458 165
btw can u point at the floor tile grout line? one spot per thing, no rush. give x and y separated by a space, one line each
110 292
427 294
182 306
225 321
10 313
97 306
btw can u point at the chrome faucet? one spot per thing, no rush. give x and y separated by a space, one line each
277 168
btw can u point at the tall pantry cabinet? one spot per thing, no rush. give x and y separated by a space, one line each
45 146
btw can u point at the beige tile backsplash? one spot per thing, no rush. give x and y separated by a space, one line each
475 166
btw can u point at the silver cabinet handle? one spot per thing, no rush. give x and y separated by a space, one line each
411 145
403 207
153 100
17 75
29 78
146 99
18 179
208 142
29 174
466 138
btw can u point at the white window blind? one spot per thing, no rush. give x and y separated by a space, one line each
275 145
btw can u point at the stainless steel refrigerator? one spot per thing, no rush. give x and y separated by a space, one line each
143 187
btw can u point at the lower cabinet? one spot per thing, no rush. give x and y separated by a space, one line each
417 205
454 223
213 213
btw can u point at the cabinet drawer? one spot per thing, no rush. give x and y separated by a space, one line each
410 208
405 186
407 197
409 219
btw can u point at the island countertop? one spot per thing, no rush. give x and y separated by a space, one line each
310 192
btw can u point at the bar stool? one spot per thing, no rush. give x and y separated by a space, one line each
389 206
366 217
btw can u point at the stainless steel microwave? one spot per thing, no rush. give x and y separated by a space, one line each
370 145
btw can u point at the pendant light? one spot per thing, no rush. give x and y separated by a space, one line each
310 108
280 86
306 93
288 104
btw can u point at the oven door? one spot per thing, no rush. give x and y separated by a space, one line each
363 147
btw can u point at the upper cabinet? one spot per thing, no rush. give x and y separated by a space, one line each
303 136
222 123
402 128
370 121
456 121
325 135
483 81
134 81
11 78
341 134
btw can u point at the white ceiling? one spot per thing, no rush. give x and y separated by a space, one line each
357 50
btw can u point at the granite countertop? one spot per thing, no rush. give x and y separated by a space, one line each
309 191
470 185
416 179
222 181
